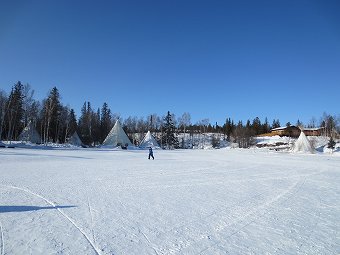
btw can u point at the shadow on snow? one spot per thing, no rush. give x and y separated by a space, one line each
24 208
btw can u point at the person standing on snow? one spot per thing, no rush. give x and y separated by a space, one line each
151 153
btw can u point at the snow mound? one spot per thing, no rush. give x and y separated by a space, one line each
302 144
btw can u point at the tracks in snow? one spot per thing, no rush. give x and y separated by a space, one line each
256 213
92 243
92 222
2 240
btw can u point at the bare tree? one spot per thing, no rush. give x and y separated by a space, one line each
203 124
183 122
312 123
27 104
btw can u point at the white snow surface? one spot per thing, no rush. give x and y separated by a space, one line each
92 201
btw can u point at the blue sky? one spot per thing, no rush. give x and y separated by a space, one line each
213 59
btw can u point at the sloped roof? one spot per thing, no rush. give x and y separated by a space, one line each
283 128
117 136
149 141
75 140
30 134
302 144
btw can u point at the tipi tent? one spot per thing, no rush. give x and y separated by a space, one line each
302 144
149 141
75 140
30 134
117 137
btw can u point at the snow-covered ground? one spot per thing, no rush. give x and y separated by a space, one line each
97 201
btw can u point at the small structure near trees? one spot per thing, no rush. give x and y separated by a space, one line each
117 137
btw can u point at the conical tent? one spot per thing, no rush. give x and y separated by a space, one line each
302 144
75 140
149 141
30 134
117 137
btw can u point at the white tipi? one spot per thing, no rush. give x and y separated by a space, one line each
302 144
75 140
30 134
117 137
149 141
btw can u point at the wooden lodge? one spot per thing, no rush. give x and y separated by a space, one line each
291 131
294 131
314 131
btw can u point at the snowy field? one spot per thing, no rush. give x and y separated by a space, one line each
227 201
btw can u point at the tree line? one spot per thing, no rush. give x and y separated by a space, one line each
56 122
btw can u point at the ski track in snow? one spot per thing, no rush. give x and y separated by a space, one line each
148 240
134 223
2 240
266 206
252 213
92 222
96 249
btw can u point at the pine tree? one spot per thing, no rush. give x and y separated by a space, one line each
3 103
169 138
95 124
276 124
73 122
14 111
265 126
257 126
331 143
228 128
84 124
105 121
52 114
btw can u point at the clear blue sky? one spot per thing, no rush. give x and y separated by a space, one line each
213 59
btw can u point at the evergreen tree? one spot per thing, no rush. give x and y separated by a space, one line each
256 126
52 116
14 112
105 121
3 104
96 125
228 128
331 143
276 124
169 138
84 124
265 126
299 124
72 122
